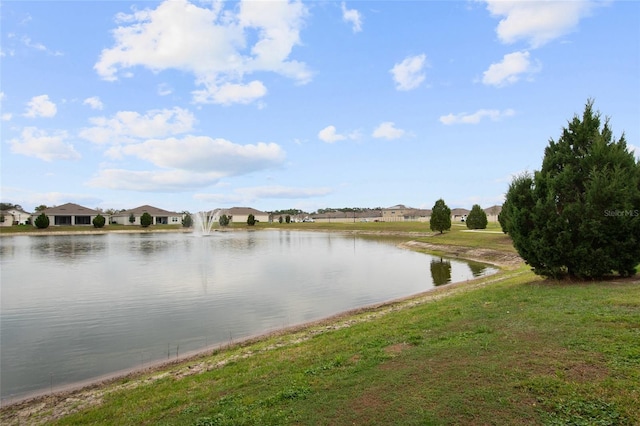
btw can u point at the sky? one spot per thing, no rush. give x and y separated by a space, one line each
197 105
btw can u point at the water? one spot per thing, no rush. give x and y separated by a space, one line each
74 308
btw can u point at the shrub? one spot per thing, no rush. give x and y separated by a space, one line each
42 221
187 221
145 220
251 220
132 218
98 221
224 220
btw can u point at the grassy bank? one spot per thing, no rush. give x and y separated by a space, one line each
506 349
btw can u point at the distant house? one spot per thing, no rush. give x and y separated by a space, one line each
240 214
14 216
370 215
68 214
493 212
401 213
459 215
160 216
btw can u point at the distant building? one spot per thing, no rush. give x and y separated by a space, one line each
459 215
14 216
69 214
402 213
160 216
241 214
493 212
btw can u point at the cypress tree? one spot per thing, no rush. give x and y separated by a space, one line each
580 214
440 217
477 218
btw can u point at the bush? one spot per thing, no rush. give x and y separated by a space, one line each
477 218
251 220
440 217
98 221
187 221
579 215
224 220
42 221
132 218
287 219
146 220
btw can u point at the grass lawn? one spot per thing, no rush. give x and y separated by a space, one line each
507 349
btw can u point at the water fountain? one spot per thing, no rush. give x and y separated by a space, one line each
203 223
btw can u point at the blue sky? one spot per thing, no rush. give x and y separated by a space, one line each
275 105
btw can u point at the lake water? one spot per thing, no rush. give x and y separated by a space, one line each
74 308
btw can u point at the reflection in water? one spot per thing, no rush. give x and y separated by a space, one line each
440 271
477 269
76 307
68 248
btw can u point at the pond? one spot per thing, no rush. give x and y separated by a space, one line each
74 308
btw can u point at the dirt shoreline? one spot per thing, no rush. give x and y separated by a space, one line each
42 407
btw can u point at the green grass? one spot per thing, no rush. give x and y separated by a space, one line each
507 349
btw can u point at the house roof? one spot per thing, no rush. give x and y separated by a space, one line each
459 211
495 209
13 211
69 209
397 207
244 211
153 211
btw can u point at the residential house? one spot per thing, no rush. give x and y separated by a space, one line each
459 215
14 216
493 212
69 214
241 214
369 215
401 213
160 216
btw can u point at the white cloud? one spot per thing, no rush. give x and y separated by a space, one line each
130 126
40 106
409 74
38 46
152 181
229 93
217 46
37 143
537 22
509 71
635 150
203 154
94 102
329 135
387 130
476 117
353 17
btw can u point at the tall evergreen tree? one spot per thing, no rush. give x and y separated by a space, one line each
440 217
477 218
580 214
